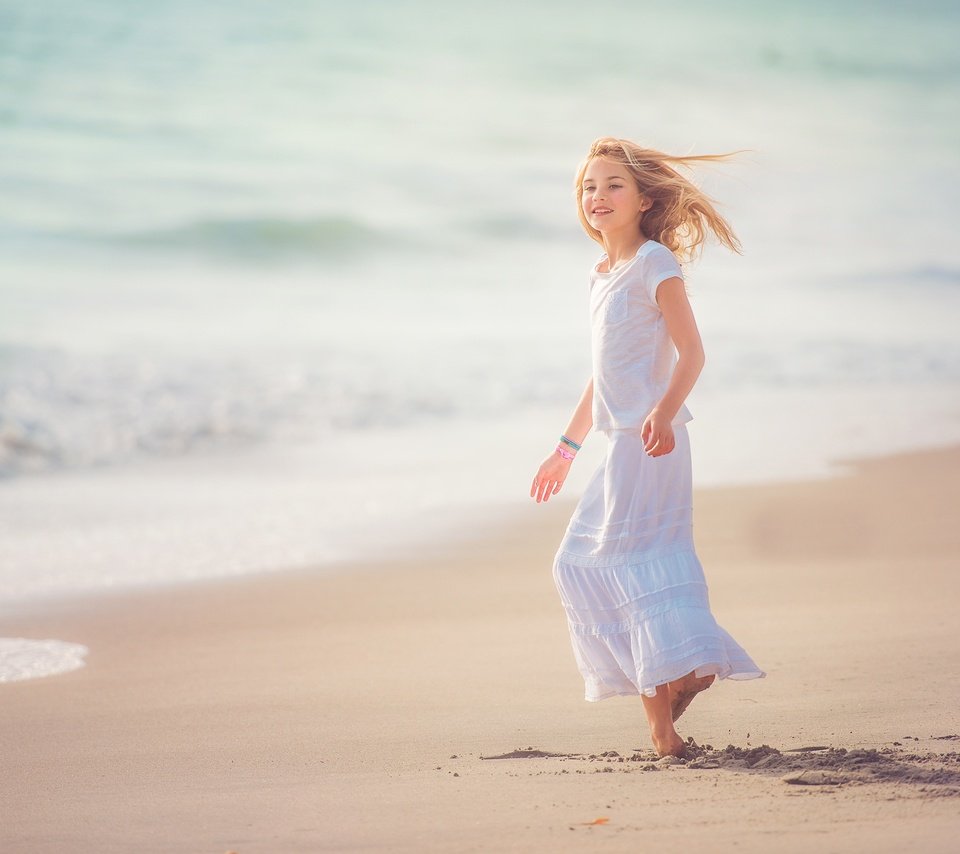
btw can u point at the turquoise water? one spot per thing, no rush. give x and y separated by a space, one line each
222 223
226 228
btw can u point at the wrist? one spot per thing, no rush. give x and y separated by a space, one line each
660 413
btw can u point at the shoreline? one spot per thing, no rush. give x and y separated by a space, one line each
256 472
272 507
318 711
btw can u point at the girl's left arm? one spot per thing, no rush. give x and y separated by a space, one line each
657 430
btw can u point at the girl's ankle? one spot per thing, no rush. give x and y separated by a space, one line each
664 732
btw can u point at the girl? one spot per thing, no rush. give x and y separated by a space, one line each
627 573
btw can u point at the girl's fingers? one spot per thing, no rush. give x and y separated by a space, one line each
546 484
659 444
539 479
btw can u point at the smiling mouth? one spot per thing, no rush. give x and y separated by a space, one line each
601 211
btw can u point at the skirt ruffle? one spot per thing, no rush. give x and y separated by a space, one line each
632 586
638 625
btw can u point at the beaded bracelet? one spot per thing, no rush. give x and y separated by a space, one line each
565 453
570 442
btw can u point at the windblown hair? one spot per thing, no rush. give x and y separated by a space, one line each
681 213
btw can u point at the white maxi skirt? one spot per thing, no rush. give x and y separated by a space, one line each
630 580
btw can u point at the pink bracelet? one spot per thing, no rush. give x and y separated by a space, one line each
565 453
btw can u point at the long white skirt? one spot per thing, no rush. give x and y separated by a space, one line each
630 580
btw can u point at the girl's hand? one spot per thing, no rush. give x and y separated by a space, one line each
657 435
550 477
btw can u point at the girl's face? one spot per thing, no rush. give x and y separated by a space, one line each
611 200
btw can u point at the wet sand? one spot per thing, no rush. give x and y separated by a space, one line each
365 710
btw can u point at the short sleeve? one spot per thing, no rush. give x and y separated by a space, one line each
661 264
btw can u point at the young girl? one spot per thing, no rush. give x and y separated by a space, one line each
627 573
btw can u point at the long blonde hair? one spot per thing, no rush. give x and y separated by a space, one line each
681 212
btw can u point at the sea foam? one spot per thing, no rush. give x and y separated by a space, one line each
26 658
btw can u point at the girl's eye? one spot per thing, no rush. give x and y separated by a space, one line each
616 186
588 189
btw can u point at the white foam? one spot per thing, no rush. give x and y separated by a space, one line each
25 658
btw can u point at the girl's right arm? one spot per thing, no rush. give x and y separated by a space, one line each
553 470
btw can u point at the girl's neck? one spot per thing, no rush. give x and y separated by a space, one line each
622 247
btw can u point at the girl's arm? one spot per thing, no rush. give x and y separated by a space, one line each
657 432
553 470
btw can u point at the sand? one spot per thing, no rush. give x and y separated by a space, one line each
310 711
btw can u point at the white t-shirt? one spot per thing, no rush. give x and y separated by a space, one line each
633 355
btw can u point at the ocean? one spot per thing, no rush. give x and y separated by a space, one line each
293 284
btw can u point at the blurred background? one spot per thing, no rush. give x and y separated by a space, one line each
289 283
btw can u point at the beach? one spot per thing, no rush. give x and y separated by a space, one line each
362 709
293 299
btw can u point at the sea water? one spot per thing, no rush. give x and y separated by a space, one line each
290 284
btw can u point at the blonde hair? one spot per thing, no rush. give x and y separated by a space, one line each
680 214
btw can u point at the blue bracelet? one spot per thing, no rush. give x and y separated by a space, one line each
570 442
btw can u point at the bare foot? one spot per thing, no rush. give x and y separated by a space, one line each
665 739
668 744
682 695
